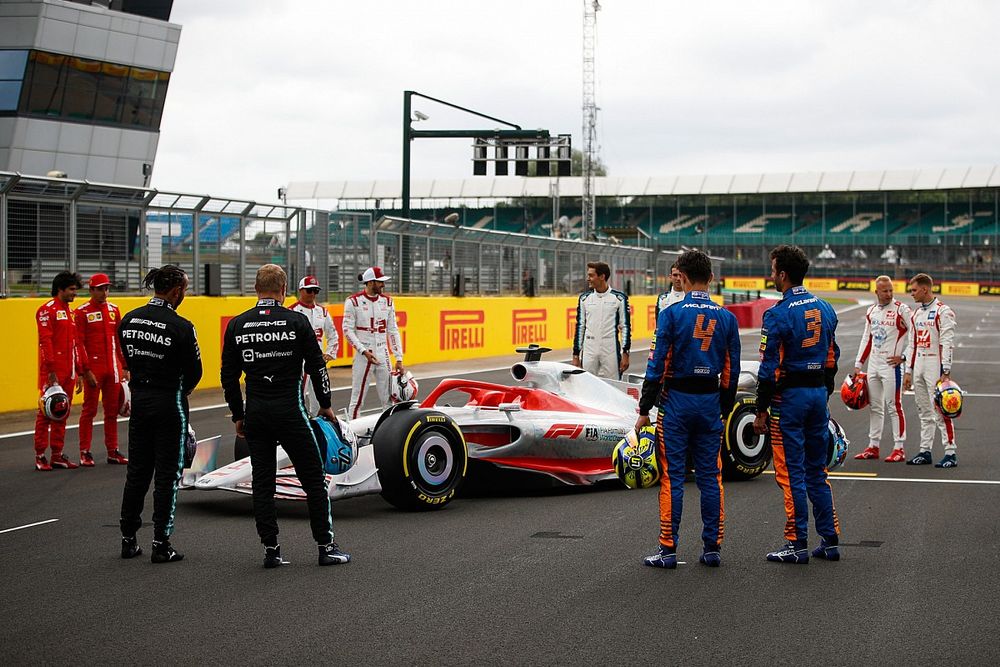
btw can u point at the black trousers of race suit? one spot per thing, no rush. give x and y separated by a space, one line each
266 426
157 428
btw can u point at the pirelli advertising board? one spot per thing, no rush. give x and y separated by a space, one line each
432 329
947 288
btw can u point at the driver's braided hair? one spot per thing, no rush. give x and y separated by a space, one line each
165 278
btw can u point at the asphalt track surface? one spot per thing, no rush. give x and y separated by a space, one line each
542 577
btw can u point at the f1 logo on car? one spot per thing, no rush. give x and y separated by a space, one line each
571 431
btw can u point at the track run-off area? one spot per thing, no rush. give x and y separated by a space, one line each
508 576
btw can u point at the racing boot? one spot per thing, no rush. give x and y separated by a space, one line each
921 459
130 547
897 456
60 461
330 554
272 557
948 461
711 557
826 551
41 463
116 458
871 452
86 459
163 552
665 557
792 552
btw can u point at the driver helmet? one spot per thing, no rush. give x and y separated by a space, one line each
948 399
854 391
124 400
403 387
634 459
338 444
54 403
838 445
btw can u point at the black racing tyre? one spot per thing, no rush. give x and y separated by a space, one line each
745 454
421 458
241 449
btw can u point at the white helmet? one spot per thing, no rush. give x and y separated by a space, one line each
54 403
403 387
124 400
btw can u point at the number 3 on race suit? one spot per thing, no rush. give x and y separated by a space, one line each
814 323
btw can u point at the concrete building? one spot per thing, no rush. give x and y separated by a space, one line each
82 86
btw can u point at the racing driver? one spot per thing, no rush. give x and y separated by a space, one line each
602 314
271 344
692 374
884 347
161 351
932 346
102 361
370 326
321 322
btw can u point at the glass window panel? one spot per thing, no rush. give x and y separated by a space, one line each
12 64
45 82
81 88
110 93
142 85
10 92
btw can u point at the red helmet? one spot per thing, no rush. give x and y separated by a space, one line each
854 391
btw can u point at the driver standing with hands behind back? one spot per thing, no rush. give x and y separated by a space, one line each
270 344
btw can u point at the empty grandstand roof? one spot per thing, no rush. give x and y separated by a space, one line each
507 187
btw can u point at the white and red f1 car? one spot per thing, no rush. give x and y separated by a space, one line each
557 420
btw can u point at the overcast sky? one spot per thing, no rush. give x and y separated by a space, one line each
268 92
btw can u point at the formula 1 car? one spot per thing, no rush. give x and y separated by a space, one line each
557 420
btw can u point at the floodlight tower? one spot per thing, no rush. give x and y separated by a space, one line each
590 9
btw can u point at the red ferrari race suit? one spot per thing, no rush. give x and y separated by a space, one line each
99 352
57 353
885 337
321 322
932 336
370 324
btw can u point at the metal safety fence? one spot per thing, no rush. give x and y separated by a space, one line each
49 225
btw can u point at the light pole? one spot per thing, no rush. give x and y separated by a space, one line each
513 135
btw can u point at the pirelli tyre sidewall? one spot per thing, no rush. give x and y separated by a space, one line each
421 458
745 455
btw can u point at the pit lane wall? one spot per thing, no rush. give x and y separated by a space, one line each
432 329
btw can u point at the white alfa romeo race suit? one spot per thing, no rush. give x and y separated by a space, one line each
885 336
932 336
600 317
321 322
370 324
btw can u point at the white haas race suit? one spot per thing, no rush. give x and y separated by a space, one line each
932 336
321 322
370 324
885 336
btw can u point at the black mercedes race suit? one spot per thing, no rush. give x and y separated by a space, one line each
161 352
269 343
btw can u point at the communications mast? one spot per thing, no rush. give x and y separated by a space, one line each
590 9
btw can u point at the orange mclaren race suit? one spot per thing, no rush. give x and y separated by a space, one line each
798 365
692 374
100 354
57 353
